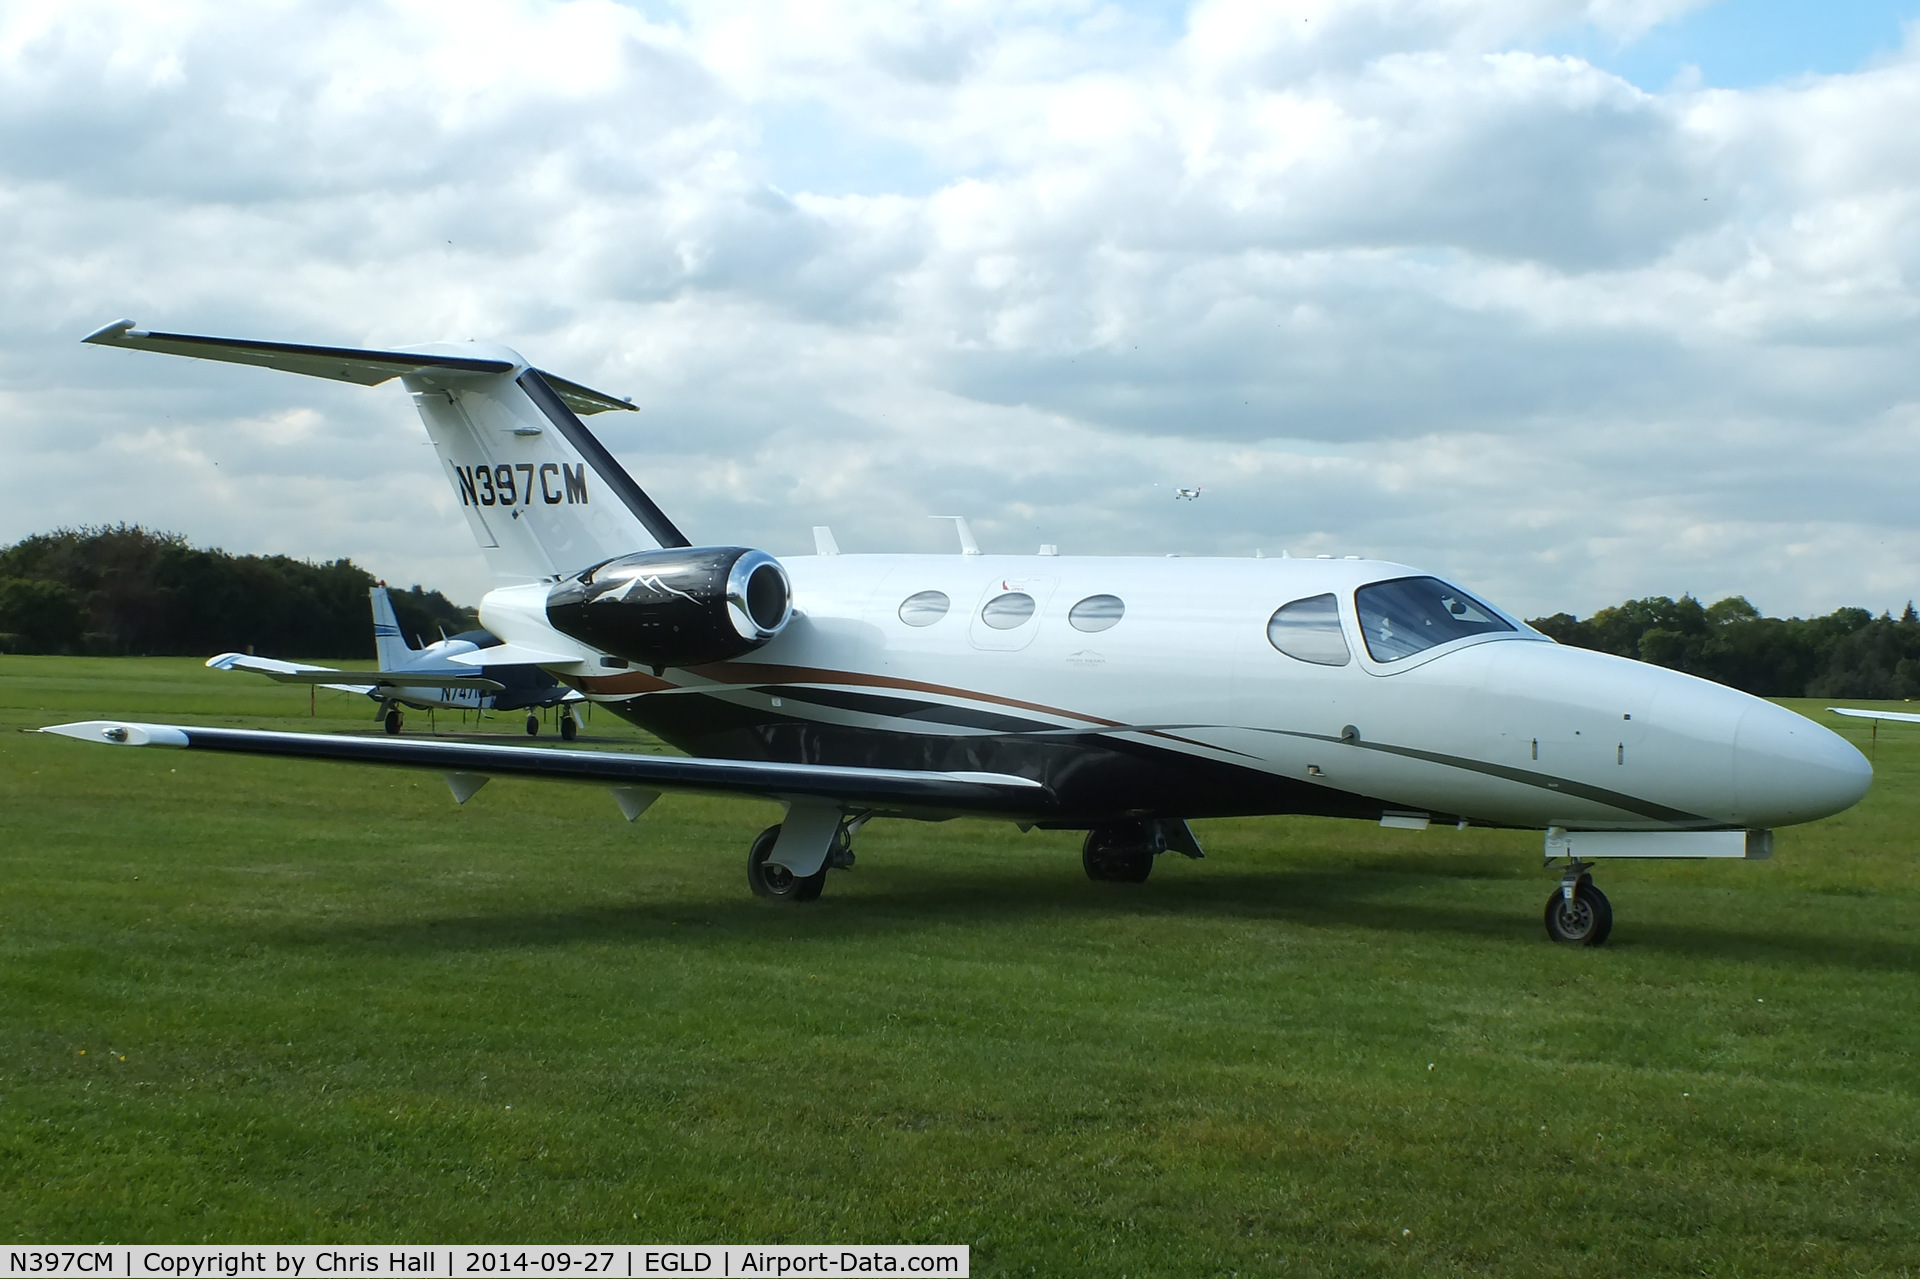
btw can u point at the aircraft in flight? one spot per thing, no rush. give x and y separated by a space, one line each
1120 696
424 678
1186 495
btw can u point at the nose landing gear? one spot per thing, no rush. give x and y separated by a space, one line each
1579 914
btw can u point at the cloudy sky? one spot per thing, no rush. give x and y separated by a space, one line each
1570 300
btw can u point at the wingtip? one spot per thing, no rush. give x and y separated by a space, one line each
115 732
107 334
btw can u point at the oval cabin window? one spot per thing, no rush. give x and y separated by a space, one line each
1004 612
924 608
1097 613
1309 630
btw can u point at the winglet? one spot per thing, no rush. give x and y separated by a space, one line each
107 334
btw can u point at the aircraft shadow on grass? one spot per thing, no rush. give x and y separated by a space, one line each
1389 903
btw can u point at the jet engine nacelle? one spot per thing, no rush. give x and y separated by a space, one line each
684 606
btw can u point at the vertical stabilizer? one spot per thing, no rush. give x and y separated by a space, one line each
388 643
543 497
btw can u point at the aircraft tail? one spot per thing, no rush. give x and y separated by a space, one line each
542 496
388 643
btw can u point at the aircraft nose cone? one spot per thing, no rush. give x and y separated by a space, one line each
1788 769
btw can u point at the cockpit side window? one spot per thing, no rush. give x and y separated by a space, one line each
1309 630
1412 614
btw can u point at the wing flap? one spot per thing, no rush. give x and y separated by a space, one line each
893 790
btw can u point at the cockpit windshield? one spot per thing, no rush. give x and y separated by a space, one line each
1412 614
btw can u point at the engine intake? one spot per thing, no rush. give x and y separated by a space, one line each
676 607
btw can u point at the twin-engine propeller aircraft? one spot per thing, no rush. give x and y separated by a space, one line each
424 678
1118 696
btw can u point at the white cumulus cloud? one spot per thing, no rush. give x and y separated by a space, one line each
1385 277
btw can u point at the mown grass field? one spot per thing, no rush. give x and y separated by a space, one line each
253 1000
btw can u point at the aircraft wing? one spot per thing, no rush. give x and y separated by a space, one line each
330 677
892 790
1903 717
288 672
388 679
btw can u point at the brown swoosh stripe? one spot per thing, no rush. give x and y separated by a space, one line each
738 673
754 673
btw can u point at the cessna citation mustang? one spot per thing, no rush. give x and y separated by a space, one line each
1117 696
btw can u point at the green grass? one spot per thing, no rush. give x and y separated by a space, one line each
259 1000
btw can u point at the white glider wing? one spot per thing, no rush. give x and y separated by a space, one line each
1903 717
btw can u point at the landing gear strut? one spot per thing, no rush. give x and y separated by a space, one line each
775 882
1579 914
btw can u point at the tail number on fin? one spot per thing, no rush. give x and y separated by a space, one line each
499 486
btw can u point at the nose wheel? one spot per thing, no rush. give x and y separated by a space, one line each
1578 914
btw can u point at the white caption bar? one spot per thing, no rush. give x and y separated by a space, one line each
306 1261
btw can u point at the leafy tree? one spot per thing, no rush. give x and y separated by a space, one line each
38 617
1848 653
126 589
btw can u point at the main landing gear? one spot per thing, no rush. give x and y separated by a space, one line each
1123 852
1117 854
533 723
569 726
393 720
774 882
1579 914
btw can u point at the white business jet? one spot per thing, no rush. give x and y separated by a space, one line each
424 678
1117 696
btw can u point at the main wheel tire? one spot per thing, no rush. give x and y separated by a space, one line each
533 724
393 722
1113 855
1584 921
774 881
569 726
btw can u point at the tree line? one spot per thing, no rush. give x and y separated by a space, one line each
127 590
1847 653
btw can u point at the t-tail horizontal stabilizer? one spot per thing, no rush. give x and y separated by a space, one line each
543 497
